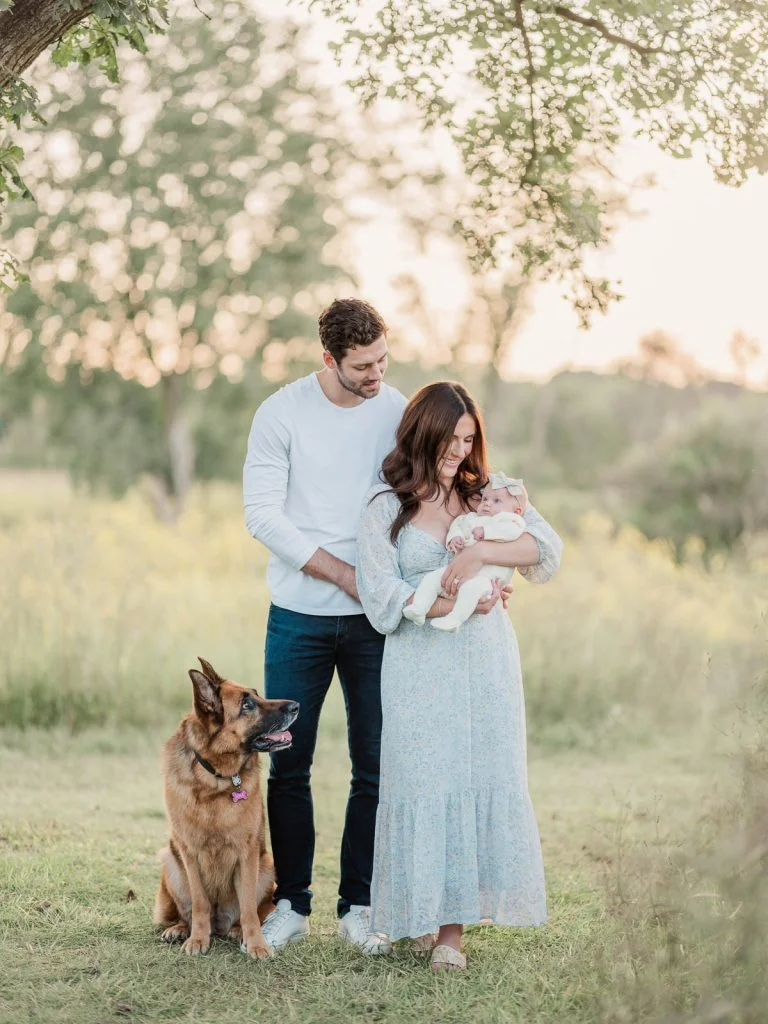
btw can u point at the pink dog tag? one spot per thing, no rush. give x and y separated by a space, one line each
239 795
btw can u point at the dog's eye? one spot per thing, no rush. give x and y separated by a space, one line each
248 704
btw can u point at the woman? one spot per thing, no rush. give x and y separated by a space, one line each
456 837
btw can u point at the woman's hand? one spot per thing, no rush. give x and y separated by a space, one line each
487 603
464 566
455 545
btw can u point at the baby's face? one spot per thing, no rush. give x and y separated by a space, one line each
499 500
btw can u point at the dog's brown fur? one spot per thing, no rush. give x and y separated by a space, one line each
218 878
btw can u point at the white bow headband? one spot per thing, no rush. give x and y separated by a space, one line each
499 480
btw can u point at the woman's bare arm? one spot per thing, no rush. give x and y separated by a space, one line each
442 606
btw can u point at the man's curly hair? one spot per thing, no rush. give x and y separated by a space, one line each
348 322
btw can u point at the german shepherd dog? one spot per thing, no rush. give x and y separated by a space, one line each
217 877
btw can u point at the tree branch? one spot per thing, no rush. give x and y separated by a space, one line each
520 22
599 26
30 27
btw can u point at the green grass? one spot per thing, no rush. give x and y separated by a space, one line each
646 696
82 819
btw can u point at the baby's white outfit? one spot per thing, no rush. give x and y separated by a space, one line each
503 526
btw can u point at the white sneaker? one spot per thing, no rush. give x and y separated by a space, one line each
284 925
355 927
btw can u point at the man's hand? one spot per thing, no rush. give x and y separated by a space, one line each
464 566
325 566
479 533
455 545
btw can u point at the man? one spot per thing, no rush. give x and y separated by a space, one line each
315 449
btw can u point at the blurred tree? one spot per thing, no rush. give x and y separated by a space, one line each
659 358
480 339
581 425
707 479
537 95
494 314
744 351
187 225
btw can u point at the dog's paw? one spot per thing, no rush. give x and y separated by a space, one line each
258 950
176 933
195 945
235 933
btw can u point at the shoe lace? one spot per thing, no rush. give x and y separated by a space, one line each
361 924
277 917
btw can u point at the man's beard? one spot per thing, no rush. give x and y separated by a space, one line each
360 390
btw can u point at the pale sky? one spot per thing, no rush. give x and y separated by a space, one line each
694 265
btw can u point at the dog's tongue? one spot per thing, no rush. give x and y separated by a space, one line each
278 737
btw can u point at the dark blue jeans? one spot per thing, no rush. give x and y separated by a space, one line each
302 652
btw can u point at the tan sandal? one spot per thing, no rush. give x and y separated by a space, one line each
423 945
447 957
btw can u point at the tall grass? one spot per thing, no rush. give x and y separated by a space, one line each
657 907
695 928
106 608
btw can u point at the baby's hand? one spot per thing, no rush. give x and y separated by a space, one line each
479 533
455 545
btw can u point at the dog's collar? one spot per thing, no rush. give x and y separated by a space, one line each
239 794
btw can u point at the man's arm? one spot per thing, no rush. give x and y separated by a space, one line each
265 486
325 566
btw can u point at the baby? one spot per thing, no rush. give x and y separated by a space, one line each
499 517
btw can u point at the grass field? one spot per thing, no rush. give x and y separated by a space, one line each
82 820
648 767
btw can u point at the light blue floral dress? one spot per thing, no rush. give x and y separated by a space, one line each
456 836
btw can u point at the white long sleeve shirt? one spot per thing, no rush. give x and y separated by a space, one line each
309 466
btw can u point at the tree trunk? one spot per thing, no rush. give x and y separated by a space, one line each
181 453
492 380
503 310
542 415
30 27
490 391
156 489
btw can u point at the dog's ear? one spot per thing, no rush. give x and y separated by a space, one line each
207 696
210 672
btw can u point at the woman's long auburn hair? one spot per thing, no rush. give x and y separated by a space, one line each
422 441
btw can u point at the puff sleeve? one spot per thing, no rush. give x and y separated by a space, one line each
382 590
550 548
